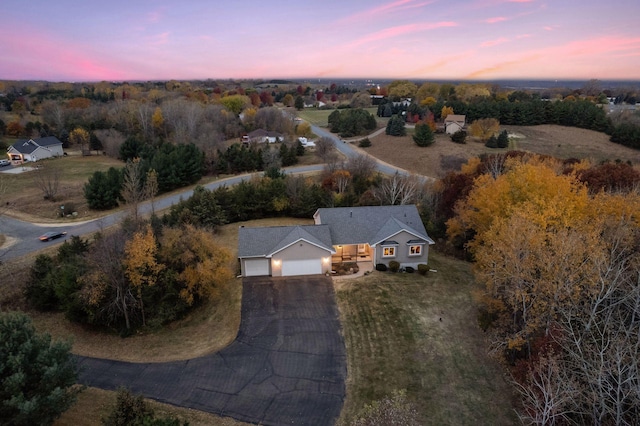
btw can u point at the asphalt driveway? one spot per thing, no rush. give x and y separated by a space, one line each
286 366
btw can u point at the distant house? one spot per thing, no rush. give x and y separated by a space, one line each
454 123
262 136
35 149
373 234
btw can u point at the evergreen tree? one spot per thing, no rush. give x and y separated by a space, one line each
423 135
37 375
299 103
102 191
395 126
503 139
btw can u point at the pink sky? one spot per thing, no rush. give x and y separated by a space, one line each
84 40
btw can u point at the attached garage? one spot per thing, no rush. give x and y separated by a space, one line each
301 267
256 267
284 250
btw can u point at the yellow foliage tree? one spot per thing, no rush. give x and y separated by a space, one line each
80 136
303 129
203 266
141 264
446 110
484 128
157 120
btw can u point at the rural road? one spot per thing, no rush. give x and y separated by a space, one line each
287 365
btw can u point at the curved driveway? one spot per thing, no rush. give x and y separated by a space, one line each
287 365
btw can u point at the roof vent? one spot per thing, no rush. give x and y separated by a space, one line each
351 213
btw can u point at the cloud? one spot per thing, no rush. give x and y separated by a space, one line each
494 70
400 30
495 42
159 39
386 9
495 20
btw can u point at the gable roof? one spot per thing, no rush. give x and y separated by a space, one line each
454 118
266 241
371 224
259 133
27 146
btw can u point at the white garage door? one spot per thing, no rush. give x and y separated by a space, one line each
256 267
301 267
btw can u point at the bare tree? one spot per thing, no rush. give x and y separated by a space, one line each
325 148
361 166
47 179
151 188
398 190
105 286
133 190
548 394
494 165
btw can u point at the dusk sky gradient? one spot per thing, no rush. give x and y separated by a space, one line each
87 40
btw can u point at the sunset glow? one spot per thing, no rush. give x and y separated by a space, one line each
69 40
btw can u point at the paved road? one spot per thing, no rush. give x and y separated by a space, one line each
287 365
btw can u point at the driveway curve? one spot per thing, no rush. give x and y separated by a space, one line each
286 366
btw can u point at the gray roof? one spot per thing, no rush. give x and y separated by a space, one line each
27 146
266 241
371 224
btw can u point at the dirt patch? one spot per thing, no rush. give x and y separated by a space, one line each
445 155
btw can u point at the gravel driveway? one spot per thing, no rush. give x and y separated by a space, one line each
286 366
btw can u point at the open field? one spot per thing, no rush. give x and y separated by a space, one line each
26 199
444 155
420 334
319 117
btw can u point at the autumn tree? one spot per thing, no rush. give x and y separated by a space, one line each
80 137
235 103
288 100
303 129
151 188
446 110
484 128
202 267
402 89
141 264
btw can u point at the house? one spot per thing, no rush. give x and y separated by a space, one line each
34 150
374 234
262 136
454 123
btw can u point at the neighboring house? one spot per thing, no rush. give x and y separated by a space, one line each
454 123
375 234
263 136
35 149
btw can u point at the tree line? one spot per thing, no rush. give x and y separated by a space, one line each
556 251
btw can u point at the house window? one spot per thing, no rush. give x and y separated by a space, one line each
388 252
415 250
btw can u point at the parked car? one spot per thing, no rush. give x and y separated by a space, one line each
52 235
4 163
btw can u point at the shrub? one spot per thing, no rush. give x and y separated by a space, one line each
423 268
459 137
381 267
492 142
394 266
409 269
364 143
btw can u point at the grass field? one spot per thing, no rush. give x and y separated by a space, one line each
27 200
420 334
444 155
319 117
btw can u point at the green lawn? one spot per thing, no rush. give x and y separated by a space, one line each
406 331
319 117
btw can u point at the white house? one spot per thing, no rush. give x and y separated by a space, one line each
454 123
35 149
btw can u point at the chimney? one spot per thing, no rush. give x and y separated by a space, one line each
351 213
